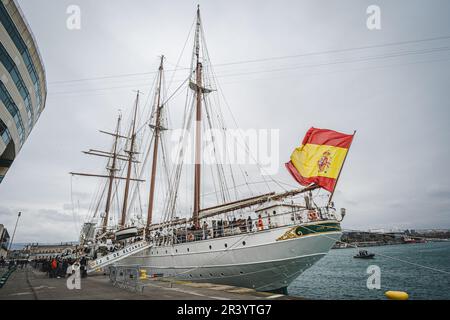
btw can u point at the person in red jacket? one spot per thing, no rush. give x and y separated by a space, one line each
260 224
53 266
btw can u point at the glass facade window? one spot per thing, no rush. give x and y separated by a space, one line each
4 236
7 100
4 133
9 64
14 34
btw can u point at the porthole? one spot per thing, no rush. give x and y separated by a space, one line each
210 274
210 247
226 245
201 276
166 251
176 250
187 249
241 272
190 275
222 274
244 243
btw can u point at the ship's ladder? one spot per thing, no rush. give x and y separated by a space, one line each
118 255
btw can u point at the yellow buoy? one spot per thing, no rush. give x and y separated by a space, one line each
396 295
143 274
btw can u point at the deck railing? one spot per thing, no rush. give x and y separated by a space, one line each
224 228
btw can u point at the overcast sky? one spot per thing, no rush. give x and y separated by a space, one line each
393 90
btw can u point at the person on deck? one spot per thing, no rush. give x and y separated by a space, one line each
249 224
233 225
220 228
260 223
214 229
205 230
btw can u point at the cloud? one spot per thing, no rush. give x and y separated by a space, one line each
40 225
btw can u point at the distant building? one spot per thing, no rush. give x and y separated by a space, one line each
44 251
4 241
19 254
23 88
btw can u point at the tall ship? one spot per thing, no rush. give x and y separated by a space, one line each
179 211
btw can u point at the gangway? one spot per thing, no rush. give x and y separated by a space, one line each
117 255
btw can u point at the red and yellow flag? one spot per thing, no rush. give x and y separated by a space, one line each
320 158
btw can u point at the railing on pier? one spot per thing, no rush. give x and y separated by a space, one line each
126 278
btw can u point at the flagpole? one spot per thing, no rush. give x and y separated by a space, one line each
339 174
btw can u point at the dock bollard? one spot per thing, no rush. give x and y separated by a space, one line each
396 295
143 274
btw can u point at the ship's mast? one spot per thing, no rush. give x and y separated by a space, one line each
155 146
197 177
130 163
112 173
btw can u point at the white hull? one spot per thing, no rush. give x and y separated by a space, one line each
254 260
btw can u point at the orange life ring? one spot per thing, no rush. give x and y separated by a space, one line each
312 215
190 237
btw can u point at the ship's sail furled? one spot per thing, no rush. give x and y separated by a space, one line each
320 158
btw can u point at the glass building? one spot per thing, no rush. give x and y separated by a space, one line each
4 240
23 88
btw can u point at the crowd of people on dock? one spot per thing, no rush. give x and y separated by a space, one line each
58 267
18 263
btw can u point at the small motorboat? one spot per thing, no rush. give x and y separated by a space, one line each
363 254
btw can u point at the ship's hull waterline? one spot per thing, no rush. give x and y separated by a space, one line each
266 260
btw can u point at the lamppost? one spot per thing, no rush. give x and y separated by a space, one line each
14 232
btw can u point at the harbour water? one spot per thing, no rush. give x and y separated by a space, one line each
339 276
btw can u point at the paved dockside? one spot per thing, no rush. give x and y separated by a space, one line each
29 284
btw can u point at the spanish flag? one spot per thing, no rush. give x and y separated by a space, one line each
320 158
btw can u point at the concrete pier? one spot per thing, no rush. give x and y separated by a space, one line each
30 284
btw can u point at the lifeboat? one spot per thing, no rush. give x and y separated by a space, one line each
126 233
